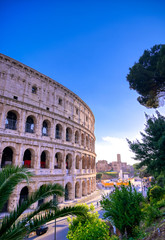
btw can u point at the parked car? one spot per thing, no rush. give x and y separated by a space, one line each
42 229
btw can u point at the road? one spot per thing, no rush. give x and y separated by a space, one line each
62 226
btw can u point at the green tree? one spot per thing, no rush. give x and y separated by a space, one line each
150 151
89 227
123 209
17 227
156 193
98 176
147 76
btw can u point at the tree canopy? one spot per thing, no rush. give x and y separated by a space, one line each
147 77
89 227
123 209
150 151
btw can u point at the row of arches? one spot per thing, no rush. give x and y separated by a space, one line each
82 139
85 162
72 192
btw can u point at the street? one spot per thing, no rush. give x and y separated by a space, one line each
62 225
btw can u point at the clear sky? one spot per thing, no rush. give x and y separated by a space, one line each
88 46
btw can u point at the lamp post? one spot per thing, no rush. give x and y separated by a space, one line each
55 230
55 220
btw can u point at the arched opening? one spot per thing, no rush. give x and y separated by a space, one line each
83 188
23 195
77 162
68 191
68 134
45 128
88 162
82 139
7 157
76 137
11 121
83 162
43 160
27 158
29 125
34 89
88 187
58 161
91 185
68 161
58 134
77 190
87 142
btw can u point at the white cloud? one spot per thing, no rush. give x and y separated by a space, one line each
109 147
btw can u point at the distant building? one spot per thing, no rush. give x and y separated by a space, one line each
116 166
102 166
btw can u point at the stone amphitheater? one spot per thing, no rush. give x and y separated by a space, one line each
48 129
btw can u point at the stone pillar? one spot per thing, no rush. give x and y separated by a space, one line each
73 162
39 126
20 155
13 201
73 189
52 160
81 163
21 122
3 117
80 187
37 158
64 163
52 130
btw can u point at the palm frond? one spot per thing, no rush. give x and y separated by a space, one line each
55 214
43 192
10 176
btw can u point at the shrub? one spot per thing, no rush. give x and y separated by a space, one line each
91 227
156 193
161 180
123 209
151 213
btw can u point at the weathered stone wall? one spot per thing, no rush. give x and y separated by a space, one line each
31 107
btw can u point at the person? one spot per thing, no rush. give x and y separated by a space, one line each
97 204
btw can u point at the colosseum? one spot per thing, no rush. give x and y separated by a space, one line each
48 129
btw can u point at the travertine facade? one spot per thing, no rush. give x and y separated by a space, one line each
47 128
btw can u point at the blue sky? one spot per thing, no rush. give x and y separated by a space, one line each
88 46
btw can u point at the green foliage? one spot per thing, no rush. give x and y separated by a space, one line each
114 237
151 150
156 193
161 180
12 227
89 227
123 209
98 176
151 213
147 76
161 203
148 193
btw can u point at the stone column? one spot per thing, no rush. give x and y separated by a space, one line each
81 163
20 155
64 163
21 122
73 162
52 160
13 201
37 158
39 126
3 117
80 187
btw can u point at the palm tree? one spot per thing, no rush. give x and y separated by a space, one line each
13 226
